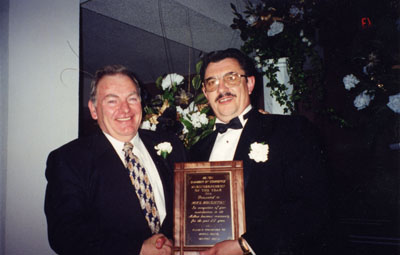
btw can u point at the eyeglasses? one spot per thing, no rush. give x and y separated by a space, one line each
231 79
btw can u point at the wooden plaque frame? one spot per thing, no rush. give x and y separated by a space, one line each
232 171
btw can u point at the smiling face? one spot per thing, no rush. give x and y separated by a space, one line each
227 103
117 108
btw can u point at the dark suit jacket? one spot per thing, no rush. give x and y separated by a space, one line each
91 205
285 196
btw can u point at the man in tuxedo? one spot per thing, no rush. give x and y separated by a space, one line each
284 180
103 196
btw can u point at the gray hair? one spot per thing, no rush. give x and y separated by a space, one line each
110 70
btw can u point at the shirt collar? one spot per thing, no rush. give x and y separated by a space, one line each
119 146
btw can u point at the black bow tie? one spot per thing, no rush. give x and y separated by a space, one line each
234 124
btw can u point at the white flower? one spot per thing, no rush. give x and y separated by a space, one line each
275 28
257 59
305 40
185 130
163 149
192 107
179 110
301 33
148 125
259 152
350 81
198 119
170 80
251 19
185 112
203 119
363 100
394 103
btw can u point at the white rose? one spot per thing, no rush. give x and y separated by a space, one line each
362 100
275 28
394 103
259 152
350 81
163 149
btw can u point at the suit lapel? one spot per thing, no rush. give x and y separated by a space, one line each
164 169
255 130
162 165
113 176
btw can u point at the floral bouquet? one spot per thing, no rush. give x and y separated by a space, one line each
372 79
374 87
178 110
282 29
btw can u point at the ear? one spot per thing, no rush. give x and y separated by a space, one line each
92 109
204 92
251 81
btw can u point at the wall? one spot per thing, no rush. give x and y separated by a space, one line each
3 112
42 111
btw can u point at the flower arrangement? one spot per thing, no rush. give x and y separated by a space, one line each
375 93
178 110
370 83
282 29
372 80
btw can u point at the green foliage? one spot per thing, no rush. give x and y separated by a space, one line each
294 42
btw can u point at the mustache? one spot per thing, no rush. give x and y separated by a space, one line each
224 95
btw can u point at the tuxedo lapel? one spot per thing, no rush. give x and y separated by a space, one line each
202 150
255 130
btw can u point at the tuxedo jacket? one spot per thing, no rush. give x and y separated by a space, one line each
91 205
285 196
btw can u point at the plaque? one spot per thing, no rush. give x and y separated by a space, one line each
208 205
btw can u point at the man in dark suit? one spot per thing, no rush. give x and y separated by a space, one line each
284 180
98 201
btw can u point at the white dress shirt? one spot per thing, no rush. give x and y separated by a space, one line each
226 143
139 149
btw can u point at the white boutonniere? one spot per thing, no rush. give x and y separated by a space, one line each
259 152
163 149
